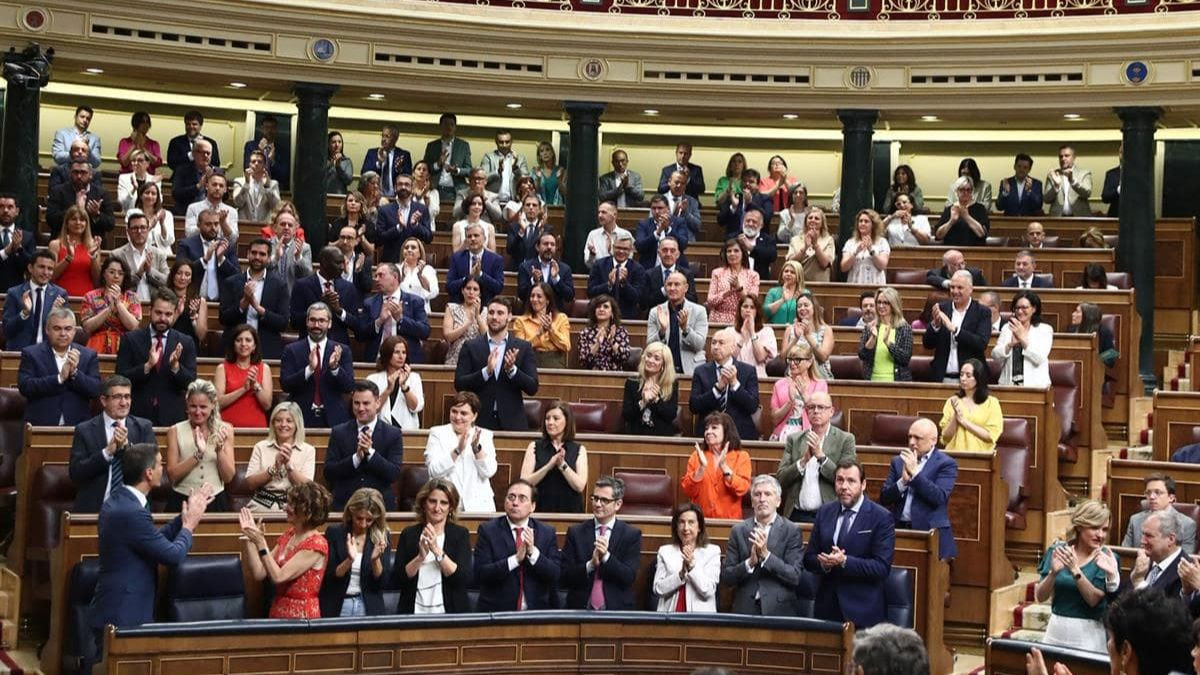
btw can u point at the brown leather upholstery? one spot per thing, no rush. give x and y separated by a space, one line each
891 430
997 241
1108 390
412 477
535 410
238 490
1190 510
579 308
1064 380
777 367
922 368
845 367
1195 435
855 312
12 441
838 420
1052 241
596 417
1013 450
903 276
1120 279
633 360
436 350
647 494
212 344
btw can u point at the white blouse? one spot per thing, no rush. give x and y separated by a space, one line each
410 282
899 235
429 598
864 270
701 581
1036 355
471 476
399 415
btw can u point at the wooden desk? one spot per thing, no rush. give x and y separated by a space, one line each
996 263
1175 413
1007 657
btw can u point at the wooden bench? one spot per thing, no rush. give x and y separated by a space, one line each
996 262
1175 414
1126 489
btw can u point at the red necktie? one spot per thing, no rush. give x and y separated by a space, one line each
317 380
520 571
596 600
162 353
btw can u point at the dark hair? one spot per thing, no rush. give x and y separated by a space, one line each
912 177
751 173
259 241
175 267
551 301
448 116
1036 319
146 186
468 201
521 481
732 437
387 348
231 351
427 489
972 170
127 276
135 459
44 253
193 115
599 300
1165 479
164 295
138 118
724 252
1089 321
659 199
568 428
701 535
114 380
610 481
758 313
310 500
864 295
776 157
88 108
982 374
1095 276
331 256
849 463
268 118
1022 157
886 649
499 300
364 385
466 398
10 195
1155 628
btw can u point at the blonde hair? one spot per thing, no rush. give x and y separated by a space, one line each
818 317
666 378
1087 513
801 350
292 409
824 222
370 500
75 210
797 269
892 297
201 387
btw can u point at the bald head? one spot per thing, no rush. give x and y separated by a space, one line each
922 436
954 260
724 344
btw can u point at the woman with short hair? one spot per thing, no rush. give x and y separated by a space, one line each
464 454
688 569
718 471
281 460
730 282
296 566
1024 344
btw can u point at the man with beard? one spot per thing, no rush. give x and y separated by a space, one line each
393 311
762 557
258 299
327 286
16 243
213 257
499 369
147 264
403 218
83 192
160 362
215 188
547 268
317 372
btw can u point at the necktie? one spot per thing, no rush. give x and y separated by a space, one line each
365 430
116 475
673 338
844 530
1152 575
317 379
5 237
596 601
39 327
520 571
161 345
474 262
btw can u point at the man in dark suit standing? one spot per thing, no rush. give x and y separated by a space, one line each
669 260
1026 273
918 487
131 548
516 557
404 217
763 555
730 212
327 286
160 362
1020 194
600 559
850 550
547 268
364 453
213 257
358 266
16 243
498 368
83 192
277 154
681 204
317 372
1111 194
474 261
693 175
57 378
28 304
257 298
449 159
619 276
953 261
657 227
393 311
179 150
959 330
727 385
96 448
760 245
389 161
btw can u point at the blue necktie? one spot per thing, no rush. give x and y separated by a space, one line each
844 530
116 475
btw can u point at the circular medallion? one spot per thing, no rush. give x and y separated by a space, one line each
34 18
323 49
1136 72
859 77
593 69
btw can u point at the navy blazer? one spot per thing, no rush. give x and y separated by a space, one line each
730 217
646 240
741 404
131 549
1037 282
46 399
13 268
333 587
380 471
1029 203
854 591
334 387
764 254
185 188
501 400
617 574
192 249
564 290
270 325
20 333
498 585
89 470
280 168
1111 194
180 146
491 279
936 277
401 165
1189 454
655 293
931 489
521 248
629 293
307 290
457 547
390 233
413 326
695 184
62 198
972 338
157 395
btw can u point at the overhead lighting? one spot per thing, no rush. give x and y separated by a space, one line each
93 71
1072 116
650 111
930 118
237 85
513 106
790 116
375 97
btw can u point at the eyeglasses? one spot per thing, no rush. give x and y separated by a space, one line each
603 501
798 359
816 407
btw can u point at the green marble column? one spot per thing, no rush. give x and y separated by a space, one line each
582 195
308 175
858 126
26 72
1135 245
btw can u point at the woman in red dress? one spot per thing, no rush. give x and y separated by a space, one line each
297 563
77 253
243 381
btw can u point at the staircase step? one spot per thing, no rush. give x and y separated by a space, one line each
1143 453
1035 617
1026 635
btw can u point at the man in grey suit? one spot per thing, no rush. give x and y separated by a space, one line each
622 186
449 159
810 459
681 324
1160 496
503 167
1068 187
147 264
763 556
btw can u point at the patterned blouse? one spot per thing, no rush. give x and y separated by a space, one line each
722 305
298 598
460 315
610 354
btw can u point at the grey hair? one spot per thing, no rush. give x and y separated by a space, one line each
886 649
202 387
1168 523
63 312
204 141
318 306
963 181
966 275
624 236
769 479
617 485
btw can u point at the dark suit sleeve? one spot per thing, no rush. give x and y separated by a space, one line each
187 365
491 561
597 280
130 363
549 564
339 458
276 316
12 312
663 179
299 307
386 462
574 560
745 396
291 372
86 381
622 565
491 275
976 334
414 323
456 277
468 375
934 278
524 280
345 370
765 252
935 490
458 549
890 493
565 288
87 463
810 560
231 310
701 400
786 567
526 377
1112 178
30 383
168 546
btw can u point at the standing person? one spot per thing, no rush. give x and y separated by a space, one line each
500 369
810 329
358 559
405 218
27 305
417 277
463 321
981 192
277 154
622 186
388 160
557 464
191 310
1068 187
363 452
548 176
111 310
791 219
339 169
401 394
885 346
813 247
312 373
619 276
297 563
919 484
600 557
964 222
255 194
179 149
516 557
449 157
1078 572
1024 343
718 472
680 324
393 312
160 362
762 558
77 251
971 419
162 222
200 450
730 184
778 184
791 394
687 570
63 138
810 460
16 243
732 280
433 557
756 341
725 385
243 381
281 460
650 406
1020 194
503 167
779 307
147 263
693 174
547 329
604 343
291 256
464 454
959 330
99 442
865 255
258 299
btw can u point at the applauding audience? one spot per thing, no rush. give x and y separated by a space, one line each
651 401
27 304
756 341
99 444
464 454
545 328
779 307
557 464
680 324
812 246
725 385
732 280
113 309
791 394
500 369
904 228
57 378
200 450
516 557
885 346
280 461
718 472
971 418
964 221
433 556
810 329
687 570
604 343
358 558
762 558
77 251
463 321
918 486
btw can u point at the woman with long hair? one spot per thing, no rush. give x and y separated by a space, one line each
339 169
128 184
358 558
813 247
1086 318
373 197
161 220
191 310
550 178
906 228
200 450
473 206
401 394
433 556
904 182
556 463
111 311
810 329
792 392
77 252
687 569
650 406
296 565
730 282
885 346
281 460
463 321
972 419
545 328
354 214
424 190
756 338
243 382
779 307
865 255
778 184
731 183
791 219
604 343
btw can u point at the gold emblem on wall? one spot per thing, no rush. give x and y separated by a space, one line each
859 77
593 69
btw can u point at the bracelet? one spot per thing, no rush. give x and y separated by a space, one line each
404 389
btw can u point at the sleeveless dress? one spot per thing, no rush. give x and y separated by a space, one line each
555 494
77 278
244 412
107 338
205 472
298 598
460 315
548 186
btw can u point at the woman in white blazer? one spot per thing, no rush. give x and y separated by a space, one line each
688 569
465 455
1024 343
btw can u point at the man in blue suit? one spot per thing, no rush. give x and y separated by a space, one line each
669 261
659 225
693 174
619 276
277 154
58 379
919 485
600 559
394 312
329 287
131 548
98 444
213 257
516 557
850 550
389 161
403 218
258 298
725 384
547 268
1026 273
317 372
1020 194
28 304
363 452
16 243
474 261
681 204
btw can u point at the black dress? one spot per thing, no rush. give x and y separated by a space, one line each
657 419
183 324
555 494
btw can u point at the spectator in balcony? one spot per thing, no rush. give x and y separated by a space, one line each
473 216
243 381
730 282
1160 498
1086 319
464 454
718 472
756 340
904 182
1068 187
732 210
865 255
373 199
557 464
1024 344
111 310
77 250
503 167
388 160
339 169
885 346
179 150
1020 194
280 461
981 190
814 247
792 393
463 321
491 210
683 205
693 174
200 450
791 219
279 163
58 379
191 311
63 138
602 239
215 187
972 420
810 329
358 558
546 267
651 401
604 342
188 181
406 218
433 555
731 183
255 194
128 184
904 228
139 140
779 307
1077 575
660 224
86 195
965 222
687 569
400 389
778 184
297 564
449 159
424 191
622 186
546 328
1026 275
1095 277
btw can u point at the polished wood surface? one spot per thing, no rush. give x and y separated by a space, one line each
1175 414
1007 657
1126 489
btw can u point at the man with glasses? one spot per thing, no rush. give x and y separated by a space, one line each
1160 498
188 181
619 276
600 559
85 193
516 557
809 459
99 443
147 264
917 490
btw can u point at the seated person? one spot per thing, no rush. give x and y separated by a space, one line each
1158 556
99 443
358 552
791 393
296 565
866 311
200 450
718 472
990 300
687 570
1026 273
516 557
557 464
490 212
601 556
964 222
464 454
280 461
1086 319
1095 277
433 555
243 380
1160 498
113 309
917 489
650 406
809 460
604 342
27 305
545 328
58 379
364 452
762 557
1035 235
401 394
972 420
953 261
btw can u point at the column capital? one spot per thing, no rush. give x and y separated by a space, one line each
858 120
315 93
1135 117
30 67
585 111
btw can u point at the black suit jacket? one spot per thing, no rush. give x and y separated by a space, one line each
655 292
307 290
333 587
937 277
62 198
617 574
498 585
379 471
629 293
333 386
521 248
695 184
185 186
564 290
270 325
457 547
158 395
972 338
741 403
1111 194
1038 282
89 470
12 268
502 404
192 249
764 254
180 146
